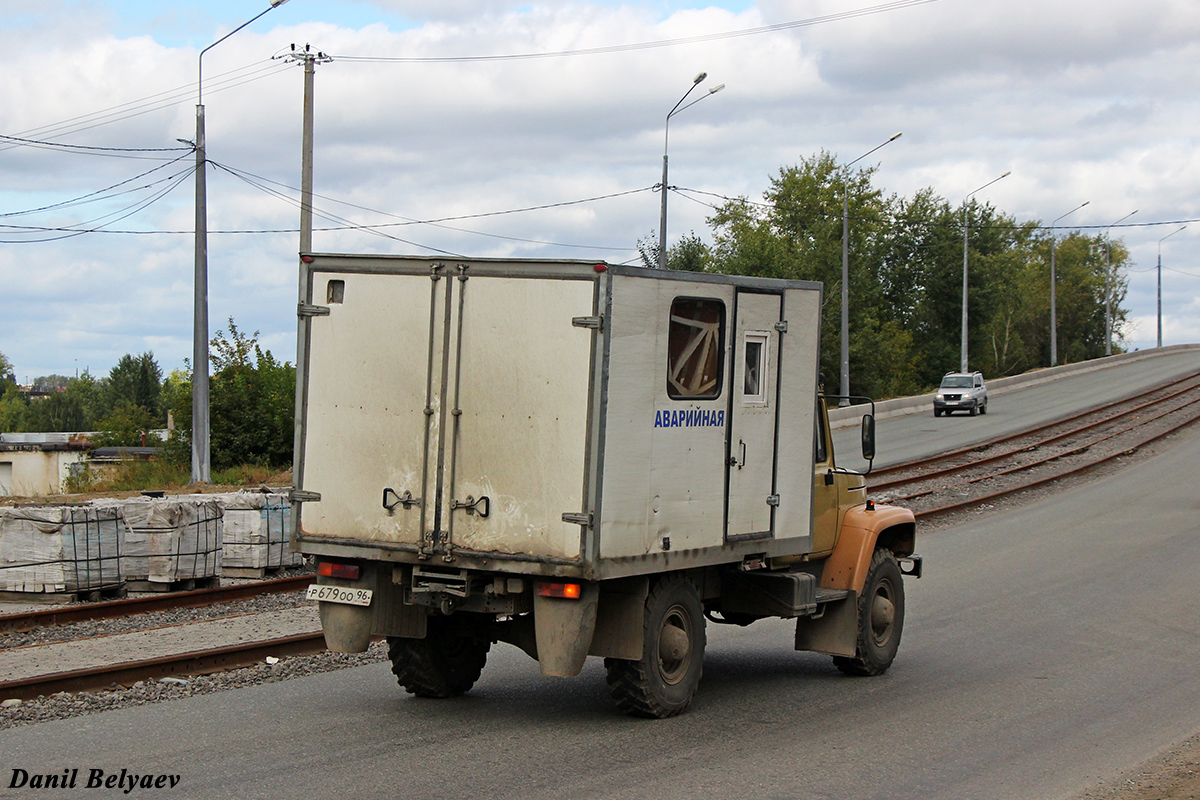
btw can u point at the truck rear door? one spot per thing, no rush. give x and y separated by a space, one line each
447 406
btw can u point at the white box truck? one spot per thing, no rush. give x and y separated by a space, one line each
578 459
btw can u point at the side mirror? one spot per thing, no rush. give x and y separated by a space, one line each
868 436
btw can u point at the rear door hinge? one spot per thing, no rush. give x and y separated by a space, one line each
595 323
301 496
578 519
781 326
773 500
309 310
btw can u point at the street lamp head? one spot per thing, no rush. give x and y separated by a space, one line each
277 3
699 78
1005 175
896 136
716 88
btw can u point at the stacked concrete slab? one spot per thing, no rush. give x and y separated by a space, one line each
59 549
171 540
256 526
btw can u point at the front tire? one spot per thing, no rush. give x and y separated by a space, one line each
663 682
880 618
446 663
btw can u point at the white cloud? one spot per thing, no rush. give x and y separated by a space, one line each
1079 105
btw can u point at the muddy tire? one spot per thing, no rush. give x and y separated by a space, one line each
446 663
664 681
880 618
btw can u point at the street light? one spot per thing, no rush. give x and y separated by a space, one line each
1108 284
845 383
1054 284
662 219
966 230
1160 241
200 428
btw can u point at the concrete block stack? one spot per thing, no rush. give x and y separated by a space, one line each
59 549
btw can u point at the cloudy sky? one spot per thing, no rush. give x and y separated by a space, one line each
419 118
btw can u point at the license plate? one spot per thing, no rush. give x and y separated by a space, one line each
338 594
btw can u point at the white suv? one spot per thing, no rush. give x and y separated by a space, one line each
961 391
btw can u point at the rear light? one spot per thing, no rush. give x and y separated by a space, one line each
331 569
569 591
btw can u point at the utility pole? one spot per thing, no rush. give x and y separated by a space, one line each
310 60
201 455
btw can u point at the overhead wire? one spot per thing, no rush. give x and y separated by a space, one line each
439 221
622 48
99 194
71 231
155 102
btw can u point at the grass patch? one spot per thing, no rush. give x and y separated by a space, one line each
126 476
246 475
139 475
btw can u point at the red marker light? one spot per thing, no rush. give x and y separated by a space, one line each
330 569
568 591
601 268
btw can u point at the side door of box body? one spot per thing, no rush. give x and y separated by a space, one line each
750 466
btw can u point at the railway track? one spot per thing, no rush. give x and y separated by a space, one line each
115 609
939 485
197 661
983 473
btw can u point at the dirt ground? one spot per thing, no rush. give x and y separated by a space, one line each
1172 775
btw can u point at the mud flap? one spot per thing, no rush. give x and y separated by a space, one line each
835 632
347 628
564 631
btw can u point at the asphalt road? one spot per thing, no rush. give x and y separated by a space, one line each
912 436
1046 650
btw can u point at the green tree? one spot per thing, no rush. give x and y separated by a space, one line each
136 380
7 374
127 426
93 398
50 383
58 412
251 405
13 405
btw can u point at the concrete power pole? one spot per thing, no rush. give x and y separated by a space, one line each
310 60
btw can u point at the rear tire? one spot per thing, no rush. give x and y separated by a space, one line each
880 618
446 663
663 682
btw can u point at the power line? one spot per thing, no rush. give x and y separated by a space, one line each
622 48
70 231
155 102
99 194
88 147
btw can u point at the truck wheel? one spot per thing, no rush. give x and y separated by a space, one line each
880 618
664 681
446 663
